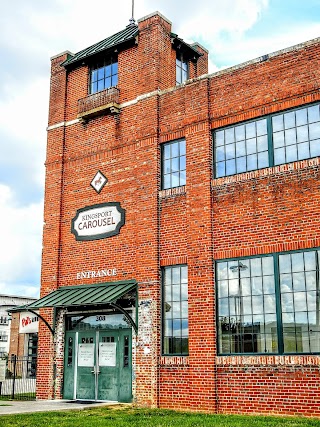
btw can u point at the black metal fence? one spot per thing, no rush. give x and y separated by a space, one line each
20 378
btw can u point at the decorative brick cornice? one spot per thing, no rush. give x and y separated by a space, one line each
173 361
182 259
261 173
268 248
177 191
302 360
222 118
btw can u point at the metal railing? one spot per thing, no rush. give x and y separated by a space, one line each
20 378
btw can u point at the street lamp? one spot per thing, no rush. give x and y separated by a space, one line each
238 268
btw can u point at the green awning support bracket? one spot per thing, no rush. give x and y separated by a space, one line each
127 315
43 319
26 308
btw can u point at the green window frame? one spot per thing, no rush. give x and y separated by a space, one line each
104 74
269 304
268 141
175 328
173 164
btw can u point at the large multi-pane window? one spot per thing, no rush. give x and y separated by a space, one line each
269 304
268 141
175 329
296 134
182 68
174 164
104 74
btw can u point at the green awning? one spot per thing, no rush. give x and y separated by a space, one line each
84 295
122 38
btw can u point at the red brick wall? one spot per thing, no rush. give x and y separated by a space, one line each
259 212
279 385
271 210
45 358
281 82
16 339
273 213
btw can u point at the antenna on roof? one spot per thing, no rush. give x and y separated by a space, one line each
131 20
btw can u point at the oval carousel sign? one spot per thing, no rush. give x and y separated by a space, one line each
98 221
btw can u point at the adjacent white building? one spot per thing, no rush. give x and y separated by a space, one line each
7 302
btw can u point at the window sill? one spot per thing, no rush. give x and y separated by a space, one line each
253 360
272 170
173 361
171 192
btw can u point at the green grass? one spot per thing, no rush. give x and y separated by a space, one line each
24 396
128 417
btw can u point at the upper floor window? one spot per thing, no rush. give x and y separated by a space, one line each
296 134
175 330
174 164
182 68
269 141
104 74
269 304
3 320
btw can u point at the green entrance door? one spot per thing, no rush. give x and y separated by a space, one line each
98 365
114 379
86 366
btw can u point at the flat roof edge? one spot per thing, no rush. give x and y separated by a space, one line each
60 54
262 58
144 18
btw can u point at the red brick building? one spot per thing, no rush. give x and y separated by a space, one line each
181 244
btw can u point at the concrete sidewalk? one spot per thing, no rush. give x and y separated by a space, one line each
20 407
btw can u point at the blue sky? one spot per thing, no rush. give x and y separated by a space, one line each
32 31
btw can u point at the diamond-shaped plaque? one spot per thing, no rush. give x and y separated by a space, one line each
99 181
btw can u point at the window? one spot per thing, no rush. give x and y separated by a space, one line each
175 310
269 304
174 164
272 140
32 355
182 69
296 135
3 337
3 320
104 75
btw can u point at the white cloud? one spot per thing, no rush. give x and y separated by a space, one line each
235 50
23 118
25 290
20 253
207 18
22 113
230 16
